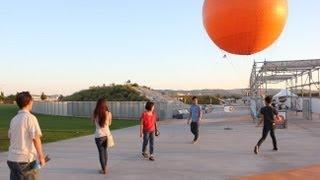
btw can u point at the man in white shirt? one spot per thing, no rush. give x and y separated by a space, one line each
25 143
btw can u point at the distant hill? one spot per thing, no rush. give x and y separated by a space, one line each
111 93
134 92
211 92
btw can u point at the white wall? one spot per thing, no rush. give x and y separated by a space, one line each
119 109
315 105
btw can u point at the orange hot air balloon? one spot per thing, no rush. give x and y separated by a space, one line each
244 27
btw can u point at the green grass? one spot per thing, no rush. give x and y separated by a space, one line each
54 128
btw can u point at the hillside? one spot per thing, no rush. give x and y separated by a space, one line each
156 96
111 93
211 92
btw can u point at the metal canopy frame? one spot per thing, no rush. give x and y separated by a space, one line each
296 74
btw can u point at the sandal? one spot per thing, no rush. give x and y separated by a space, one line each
105 172
145 155
151 158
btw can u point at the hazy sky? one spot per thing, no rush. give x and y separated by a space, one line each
63 46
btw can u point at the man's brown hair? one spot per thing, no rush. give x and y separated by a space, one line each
23 99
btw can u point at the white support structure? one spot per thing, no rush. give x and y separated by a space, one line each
274 72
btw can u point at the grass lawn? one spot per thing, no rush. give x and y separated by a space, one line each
54 128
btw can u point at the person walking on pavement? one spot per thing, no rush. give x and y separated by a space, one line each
195 117
25 141
269 114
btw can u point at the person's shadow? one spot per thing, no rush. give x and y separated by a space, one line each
72 171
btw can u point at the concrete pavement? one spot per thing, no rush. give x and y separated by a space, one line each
310 172
220 154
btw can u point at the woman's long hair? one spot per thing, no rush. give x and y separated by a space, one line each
100 111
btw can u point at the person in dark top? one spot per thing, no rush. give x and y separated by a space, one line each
269 114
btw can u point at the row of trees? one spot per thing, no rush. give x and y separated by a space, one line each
11 98
206 99
7 99
2 97
127 83
112 92
201 99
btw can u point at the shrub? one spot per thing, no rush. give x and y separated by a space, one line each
111 93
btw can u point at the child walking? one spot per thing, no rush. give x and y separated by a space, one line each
148 127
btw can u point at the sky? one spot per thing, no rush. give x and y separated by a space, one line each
59 47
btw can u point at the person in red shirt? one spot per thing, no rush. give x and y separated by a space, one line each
148 127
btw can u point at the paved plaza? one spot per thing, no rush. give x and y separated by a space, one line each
220 153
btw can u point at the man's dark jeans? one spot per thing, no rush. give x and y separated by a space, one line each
102 149
23 171
148 137
194 126
265 132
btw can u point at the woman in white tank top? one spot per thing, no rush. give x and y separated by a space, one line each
102 119
105 130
